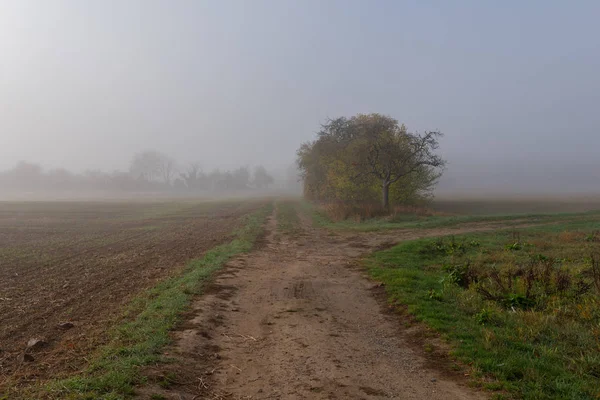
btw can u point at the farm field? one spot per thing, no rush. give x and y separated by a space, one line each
79 263
436 306
299 200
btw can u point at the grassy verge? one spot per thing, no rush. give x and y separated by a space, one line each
521 308
414 221
138 341
287 217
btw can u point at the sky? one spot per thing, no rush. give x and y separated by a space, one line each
513 85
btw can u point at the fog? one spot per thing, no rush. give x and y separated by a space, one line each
514 86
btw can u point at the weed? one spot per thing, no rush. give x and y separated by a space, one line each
516 246
595 270
434 295
593 237
485 316
450 248
462 275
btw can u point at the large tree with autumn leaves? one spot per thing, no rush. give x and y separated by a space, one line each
370 157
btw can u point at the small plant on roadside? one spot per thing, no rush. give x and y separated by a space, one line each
449 248
434 295
539 257
168 380
593 237
435 248
485 317
517 301
594 271
462 275
456 248
516 246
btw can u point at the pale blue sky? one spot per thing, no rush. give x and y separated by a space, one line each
85 84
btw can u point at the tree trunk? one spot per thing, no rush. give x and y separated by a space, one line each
385 195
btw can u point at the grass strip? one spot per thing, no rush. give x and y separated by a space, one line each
137 342
413 221
287 217
539 353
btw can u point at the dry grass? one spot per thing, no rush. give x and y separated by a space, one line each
358 212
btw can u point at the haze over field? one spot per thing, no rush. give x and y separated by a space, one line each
513 85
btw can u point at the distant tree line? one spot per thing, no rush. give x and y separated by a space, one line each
155 167
149 171
369 158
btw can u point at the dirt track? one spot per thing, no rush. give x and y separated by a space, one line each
296 320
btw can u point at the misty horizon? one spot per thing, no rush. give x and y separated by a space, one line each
513 86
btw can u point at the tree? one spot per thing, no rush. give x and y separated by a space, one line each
152 166
293 178
166 169
24 175
146 165
262 179
353 157
239 178
388 152
59 178
192 176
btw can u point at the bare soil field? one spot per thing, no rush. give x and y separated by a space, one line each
67 268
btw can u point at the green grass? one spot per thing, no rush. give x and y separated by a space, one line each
516 205
287 216
550 350
413 221
318 217
137 342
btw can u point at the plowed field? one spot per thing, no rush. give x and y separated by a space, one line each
79 263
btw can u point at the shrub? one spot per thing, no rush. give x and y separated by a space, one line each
485 317
340 211
360 211
441 247
462 275
593 237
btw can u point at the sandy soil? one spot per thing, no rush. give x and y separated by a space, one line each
297 319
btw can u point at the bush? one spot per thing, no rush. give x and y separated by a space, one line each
462 275
450 248
525 286
486 317
340 211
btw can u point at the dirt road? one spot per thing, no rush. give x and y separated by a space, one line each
296 320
